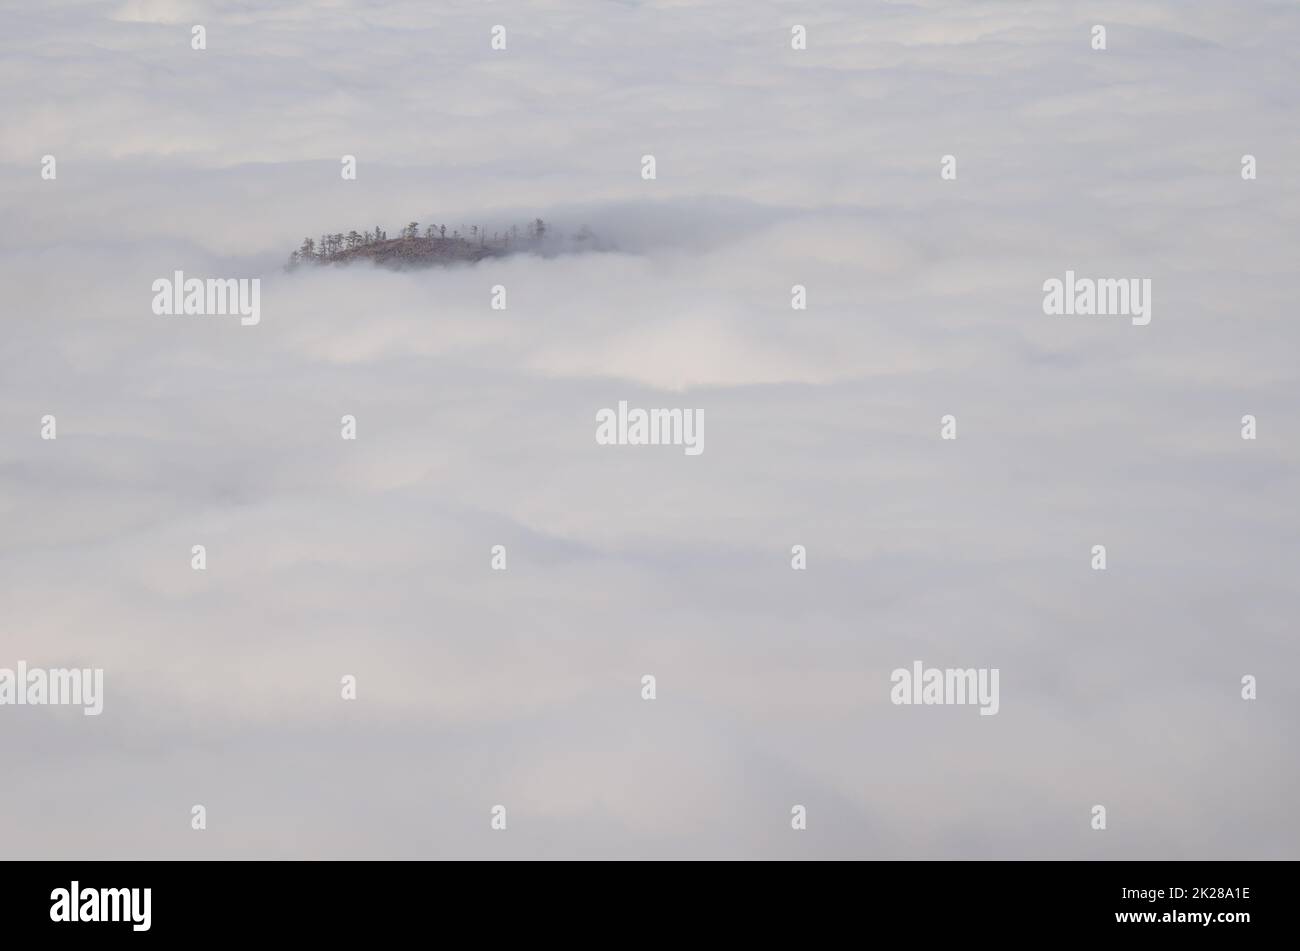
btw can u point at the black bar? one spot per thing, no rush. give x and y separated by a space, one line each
981 901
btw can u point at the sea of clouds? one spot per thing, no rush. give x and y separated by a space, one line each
476 428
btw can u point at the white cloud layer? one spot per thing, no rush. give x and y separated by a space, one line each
476 427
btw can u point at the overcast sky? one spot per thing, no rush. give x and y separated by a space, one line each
476 428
